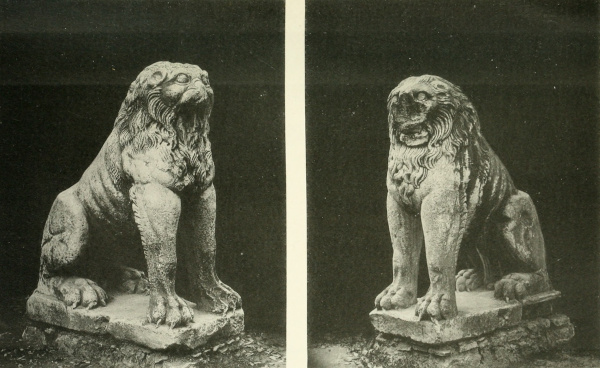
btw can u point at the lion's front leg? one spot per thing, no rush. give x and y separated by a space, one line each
442 228
157 211
407 241
198 251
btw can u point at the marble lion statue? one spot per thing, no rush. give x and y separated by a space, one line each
146 202
449 192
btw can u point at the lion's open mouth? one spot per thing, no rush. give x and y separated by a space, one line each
414 134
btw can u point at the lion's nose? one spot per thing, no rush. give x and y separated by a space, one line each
405 101
200 94
408 105
197 83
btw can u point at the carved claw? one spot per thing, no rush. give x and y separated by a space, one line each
436 306
77 291
422 307
395 297
468 280
170 310
221 299
519 285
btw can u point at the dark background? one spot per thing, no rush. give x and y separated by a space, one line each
530 68
66 67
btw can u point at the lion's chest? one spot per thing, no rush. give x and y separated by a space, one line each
407 190
175 168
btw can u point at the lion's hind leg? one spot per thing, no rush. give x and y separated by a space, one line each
130 280
521 236
480 272
65 238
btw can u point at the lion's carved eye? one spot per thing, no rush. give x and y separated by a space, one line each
182 78
421 96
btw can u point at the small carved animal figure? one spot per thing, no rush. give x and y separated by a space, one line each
148 195
448 190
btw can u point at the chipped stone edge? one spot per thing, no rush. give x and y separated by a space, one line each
470 325
49 311
458 328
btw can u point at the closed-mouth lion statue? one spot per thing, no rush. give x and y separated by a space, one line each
146 202
448 191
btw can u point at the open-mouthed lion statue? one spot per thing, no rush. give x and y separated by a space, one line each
449 190
151 181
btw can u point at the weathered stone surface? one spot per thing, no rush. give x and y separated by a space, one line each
499 348
125 318
448 190
478 313
467 345
146 201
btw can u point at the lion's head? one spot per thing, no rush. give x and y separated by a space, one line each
428 117
176 96
168 107
427 110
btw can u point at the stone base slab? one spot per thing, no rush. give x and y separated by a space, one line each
81 349
499 348
124 318
478 313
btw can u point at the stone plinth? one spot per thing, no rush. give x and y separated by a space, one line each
499 348
478 313
124 318
487 332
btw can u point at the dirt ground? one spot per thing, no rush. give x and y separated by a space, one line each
251 349
346 350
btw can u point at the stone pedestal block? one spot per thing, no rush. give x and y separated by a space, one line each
478 313
124 318
487 332
499 348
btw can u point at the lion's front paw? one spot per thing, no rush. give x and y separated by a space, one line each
132 281
395 297
436 306
468 280
170 310
221 299
77 291
519 285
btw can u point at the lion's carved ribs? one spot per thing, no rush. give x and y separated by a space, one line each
449 192
157 153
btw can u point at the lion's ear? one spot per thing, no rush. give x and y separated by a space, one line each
155 79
